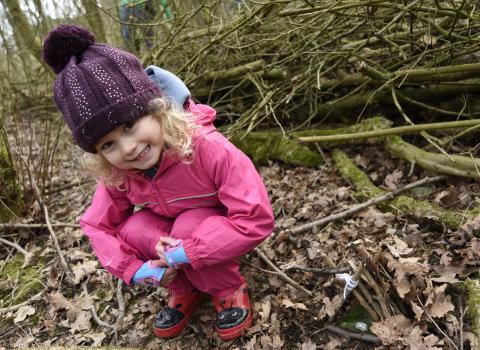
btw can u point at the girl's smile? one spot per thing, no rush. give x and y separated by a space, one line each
133 145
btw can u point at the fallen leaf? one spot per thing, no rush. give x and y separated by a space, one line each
84 269
265 313
24 342
23 312
392 329
399 248
288 303
391 180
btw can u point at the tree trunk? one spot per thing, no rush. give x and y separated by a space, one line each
95 20
22 30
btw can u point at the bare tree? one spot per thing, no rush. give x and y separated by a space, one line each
94 19
23 32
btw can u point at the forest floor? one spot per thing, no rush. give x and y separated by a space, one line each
419 275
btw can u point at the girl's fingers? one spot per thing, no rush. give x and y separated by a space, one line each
166 239
159 262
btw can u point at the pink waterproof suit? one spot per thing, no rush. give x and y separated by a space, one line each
217 204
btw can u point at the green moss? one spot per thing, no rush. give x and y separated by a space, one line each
473 290
29 280
263 146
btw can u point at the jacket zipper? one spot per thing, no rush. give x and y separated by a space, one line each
191 197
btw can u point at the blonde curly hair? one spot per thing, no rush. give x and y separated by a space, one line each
177 128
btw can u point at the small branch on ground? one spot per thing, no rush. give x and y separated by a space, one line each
392 131
28 255
379 199
324 271
57 224
93 311
281 274
369 338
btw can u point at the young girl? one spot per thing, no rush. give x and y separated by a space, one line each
204 204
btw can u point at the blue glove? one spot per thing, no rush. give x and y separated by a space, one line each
170 84
149 274
175 254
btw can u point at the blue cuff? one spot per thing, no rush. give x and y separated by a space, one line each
149 274
176 256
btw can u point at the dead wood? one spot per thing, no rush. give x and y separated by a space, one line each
402 205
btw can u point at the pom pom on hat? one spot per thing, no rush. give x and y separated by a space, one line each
64 42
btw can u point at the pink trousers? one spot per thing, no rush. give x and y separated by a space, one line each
142 231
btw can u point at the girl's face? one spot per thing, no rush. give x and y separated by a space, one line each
133 145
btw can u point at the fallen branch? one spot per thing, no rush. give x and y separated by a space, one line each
369 338
402 204
392 131
121 308
58 224
454 165
14 245
379 199
28 255
324 271
53 235
97 319
281 274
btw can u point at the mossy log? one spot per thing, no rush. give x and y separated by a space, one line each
440 163
263 146
365 189
473 290
454 165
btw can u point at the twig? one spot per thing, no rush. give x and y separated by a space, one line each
67 186
385 312
14 245
324 271
94 312
361 206
26 302
53 235
121 304
369 338
281 274
58 224
436 325
392 131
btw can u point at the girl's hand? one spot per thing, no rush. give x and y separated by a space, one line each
162 261
168 276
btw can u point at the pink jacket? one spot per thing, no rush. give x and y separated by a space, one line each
219 176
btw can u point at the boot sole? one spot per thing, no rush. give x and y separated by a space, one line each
235 332
178 328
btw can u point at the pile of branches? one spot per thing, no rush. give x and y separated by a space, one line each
294 63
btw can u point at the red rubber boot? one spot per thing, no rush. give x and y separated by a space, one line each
173 318
234 315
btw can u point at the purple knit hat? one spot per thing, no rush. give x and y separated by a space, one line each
97 87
